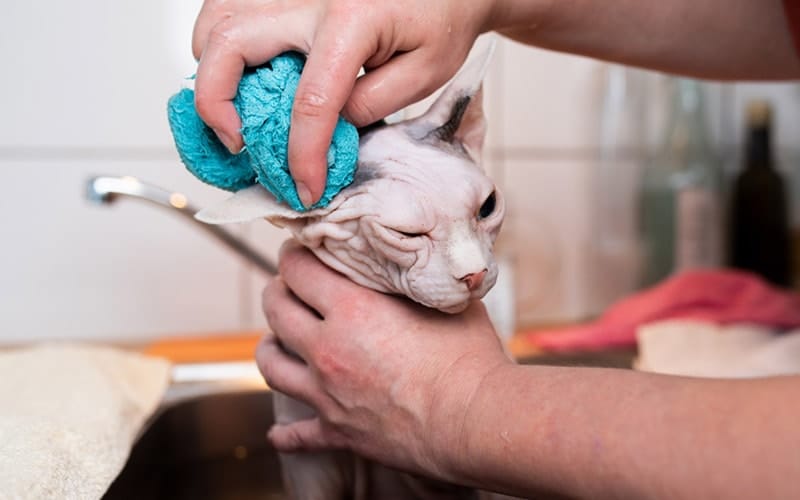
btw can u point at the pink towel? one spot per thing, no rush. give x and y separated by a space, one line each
716 296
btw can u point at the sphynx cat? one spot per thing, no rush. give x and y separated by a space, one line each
419 220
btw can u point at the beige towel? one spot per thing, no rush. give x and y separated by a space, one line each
69 415
701 349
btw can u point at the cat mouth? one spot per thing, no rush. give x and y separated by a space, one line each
451 303
456 302
457 298
456 308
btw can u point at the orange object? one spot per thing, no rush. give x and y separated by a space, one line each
218 347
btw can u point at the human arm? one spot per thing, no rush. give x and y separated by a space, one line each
602 433
409 48
717 39
435 394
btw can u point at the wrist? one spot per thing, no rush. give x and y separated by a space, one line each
471 387
516 14
500 446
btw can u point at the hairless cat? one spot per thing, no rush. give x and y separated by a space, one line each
419 220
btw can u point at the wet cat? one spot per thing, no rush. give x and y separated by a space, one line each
420 217
419 220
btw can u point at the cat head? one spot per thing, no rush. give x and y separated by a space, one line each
421 216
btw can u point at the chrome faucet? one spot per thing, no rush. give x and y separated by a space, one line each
106 190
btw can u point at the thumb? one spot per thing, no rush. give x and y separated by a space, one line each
303 435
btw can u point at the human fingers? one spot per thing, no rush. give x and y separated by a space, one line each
235 42
214 11
304 435
211 13
403 80
292 321
314 283
339 50
286 373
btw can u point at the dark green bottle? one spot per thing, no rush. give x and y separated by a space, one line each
759 231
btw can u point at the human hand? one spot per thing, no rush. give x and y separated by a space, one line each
388 378
408 48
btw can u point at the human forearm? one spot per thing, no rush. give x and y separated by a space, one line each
738 39
434 394
595 433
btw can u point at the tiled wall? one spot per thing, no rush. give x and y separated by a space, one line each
572 185
83 93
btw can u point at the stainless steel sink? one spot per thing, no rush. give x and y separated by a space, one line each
208 447
207 442
214 447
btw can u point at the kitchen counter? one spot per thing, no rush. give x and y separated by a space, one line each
225 347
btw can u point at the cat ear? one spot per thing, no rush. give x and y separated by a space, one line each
253 203
457 115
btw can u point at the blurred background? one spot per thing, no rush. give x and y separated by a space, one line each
598 162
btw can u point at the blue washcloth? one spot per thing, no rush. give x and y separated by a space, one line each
264 103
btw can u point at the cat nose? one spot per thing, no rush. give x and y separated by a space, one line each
474 280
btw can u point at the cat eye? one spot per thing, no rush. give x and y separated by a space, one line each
411 235
488 206
398 233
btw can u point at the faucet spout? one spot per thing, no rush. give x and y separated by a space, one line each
105 190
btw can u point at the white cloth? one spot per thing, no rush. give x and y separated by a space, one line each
699 349
69 415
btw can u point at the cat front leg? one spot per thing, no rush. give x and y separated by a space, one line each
313 475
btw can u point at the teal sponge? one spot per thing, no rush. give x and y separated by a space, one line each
264 103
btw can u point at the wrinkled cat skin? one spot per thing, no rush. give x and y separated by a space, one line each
410 230
419 220
421 216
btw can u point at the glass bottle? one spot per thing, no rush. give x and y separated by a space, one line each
680 204
759 222
615 253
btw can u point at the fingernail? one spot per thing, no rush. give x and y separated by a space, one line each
228 141
304 194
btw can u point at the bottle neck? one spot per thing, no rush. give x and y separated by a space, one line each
686 130
759 150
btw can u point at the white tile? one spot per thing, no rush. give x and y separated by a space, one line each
615 255
129 271
547 235
92 73
493 98
575 249
267 239
551 100
657 89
